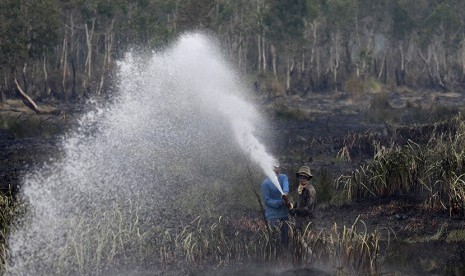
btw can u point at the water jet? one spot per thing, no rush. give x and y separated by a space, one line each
179 119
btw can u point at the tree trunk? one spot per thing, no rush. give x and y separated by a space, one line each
433 69
302 65
264 54
241 42
428 66
73 55
274 57
259 42
386 71
74 86
381 68
290 68
440 63
24 76
334 61
88 64
26 99
314 55
2 90
239 50
400 73
369 50
261 39
462 59
244 55
64 64
46 85
107 56
359 44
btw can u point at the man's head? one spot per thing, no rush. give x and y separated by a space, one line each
304 175
276 168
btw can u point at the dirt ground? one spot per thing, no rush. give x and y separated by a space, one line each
416 240
421 241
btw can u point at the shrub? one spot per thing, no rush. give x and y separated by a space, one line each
434 172
324 186
380 110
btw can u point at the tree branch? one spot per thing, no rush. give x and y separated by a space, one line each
26 99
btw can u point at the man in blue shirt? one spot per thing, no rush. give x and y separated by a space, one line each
277 207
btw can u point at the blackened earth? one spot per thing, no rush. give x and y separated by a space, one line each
312 131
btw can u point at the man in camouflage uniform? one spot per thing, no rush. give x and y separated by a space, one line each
305 206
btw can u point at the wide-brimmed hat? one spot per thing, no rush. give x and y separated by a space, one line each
304 170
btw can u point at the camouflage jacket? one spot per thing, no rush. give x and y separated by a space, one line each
305 206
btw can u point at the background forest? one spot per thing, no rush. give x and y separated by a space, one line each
66 49
389 167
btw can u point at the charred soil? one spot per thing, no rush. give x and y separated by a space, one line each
334 133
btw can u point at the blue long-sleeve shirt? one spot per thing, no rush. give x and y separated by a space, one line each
274 207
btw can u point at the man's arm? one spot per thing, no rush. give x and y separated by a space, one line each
310 201
270 202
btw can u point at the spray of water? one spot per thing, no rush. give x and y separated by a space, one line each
179 119
221 90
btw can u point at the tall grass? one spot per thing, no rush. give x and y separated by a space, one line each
346 249
9 209
117 239
433 172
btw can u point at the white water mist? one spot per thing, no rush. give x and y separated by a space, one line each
176 122
223 92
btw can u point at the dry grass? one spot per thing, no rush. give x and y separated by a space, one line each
347 249
434 171
9 209
114 239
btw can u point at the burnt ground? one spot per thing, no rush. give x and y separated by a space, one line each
414 239
27 139
421 241
312 130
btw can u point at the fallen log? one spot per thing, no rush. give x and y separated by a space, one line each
27 100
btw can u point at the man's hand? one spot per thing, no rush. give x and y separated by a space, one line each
286 201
